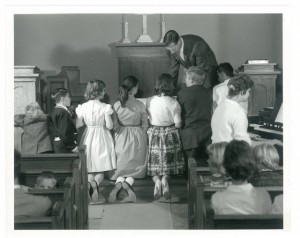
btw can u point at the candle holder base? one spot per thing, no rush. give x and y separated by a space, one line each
125 40
144 38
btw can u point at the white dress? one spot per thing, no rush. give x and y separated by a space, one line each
100 152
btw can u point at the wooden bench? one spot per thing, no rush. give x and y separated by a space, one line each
201 216
63 166
55 221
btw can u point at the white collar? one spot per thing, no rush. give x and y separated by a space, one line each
63 107
181 49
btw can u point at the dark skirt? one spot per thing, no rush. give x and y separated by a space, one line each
164 151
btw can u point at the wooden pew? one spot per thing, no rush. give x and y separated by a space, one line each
201 216
64 196
63 165
55 221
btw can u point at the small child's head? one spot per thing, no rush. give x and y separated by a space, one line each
33 110
266 156
238 160
129 87
240 86
46 180
95 89
194 75
61 96
216 156
225 71
164 85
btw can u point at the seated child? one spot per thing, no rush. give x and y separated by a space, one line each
25 204
267 162
34 122
277 206
46 180
240 197
216 157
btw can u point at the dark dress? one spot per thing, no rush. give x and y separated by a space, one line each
62 130
196 53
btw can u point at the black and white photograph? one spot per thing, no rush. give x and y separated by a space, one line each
149 118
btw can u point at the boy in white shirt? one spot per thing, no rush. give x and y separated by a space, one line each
220 91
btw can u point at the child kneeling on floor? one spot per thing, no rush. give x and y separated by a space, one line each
240 197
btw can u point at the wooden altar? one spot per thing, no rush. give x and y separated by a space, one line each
146 61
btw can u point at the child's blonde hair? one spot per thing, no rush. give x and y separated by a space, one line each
266 156
216 157
46 175
33 110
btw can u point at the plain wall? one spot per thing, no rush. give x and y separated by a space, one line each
50 41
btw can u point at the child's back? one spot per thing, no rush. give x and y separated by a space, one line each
241 199
97 138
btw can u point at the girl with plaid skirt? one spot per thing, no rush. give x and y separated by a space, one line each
164 145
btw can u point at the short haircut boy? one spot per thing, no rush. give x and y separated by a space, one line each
58 93
238 160
226 68
46 175
266 156
239 83
196 74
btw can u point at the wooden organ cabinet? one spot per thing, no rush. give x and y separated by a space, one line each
146 61
263 93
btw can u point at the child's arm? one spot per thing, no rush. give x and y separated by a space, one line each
19 120
108 121
144 119
177 115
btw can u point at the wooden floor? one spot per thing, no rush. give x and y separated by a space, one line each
147 213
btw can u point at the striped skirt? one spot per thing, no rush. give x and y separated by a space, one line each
164 151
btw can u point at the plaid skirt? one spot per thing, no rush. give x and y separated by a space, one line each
164 151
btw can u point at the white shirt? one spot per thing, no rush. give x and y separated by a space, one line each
163 111
229 122
220 92
241 199
277 206
181 50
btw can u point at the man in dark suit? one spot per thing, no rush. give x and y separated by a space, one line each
191 50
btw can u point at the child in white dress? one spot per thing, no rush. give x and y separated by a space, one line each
100 152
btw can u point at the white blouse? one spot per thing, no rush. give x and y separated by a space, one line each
229 122
163 110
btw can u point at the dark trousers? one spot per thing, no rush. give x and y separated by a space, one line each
200 156
58 148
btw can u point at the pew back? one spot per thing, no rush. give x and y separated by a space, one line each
201 216
63 165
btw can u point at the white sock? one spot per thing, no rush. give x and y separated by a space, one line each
130 180
120 179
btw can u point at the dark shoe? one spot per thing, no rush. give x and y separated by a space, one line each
130 191
114 192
